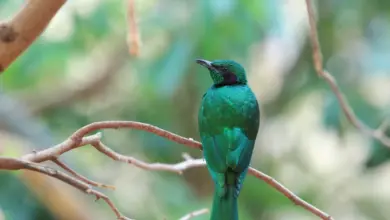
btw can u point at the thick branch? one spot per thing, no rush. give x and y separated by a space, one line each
348 111
17 34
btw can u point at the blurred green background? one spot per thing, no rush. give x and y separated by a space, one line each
79 71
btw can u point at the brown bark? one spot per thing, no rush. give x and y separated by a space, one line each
17 34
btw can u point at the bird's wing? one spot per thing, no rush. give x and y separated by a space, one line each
214 153
224 161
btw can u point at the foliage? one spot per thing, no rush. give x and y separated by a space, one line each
304 140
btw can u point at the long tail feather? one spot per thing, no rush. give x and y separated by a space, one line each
225 208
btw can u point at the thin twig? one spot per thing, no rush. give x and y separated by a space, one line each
189 162
18 164
380 131
80 133
176 168
100 195
290 195
78 139
317 62
194 214
59 149
133 33
80 177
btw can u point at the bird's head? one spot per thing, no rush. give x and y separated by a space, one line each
224 72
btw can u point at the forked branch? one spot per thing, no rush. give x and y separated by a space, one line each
79 139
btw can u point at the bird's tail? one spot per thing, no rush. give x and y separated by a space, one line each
225 207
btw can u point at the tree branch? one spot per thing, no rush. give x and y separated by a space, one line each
80 177
348 111
133 33
194 214
80 133
17 34
57 150
78 139
18 164
175 168
290 195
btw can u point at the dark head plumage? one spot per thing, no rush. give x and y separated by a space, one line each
224 72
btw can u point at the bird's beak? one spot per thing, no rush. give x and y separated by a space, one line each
204 63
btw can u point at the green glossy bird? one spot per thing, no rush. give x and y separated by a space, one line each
228 120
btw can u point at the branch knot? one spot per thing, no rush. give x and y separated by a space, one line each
7 33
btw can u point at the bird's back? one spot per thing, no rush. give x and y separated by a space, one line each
229 107
228 125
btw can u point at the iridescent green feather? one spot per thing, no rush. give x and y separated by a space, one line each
228 125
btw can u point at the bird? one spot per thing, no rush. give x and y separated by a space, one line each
228 123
